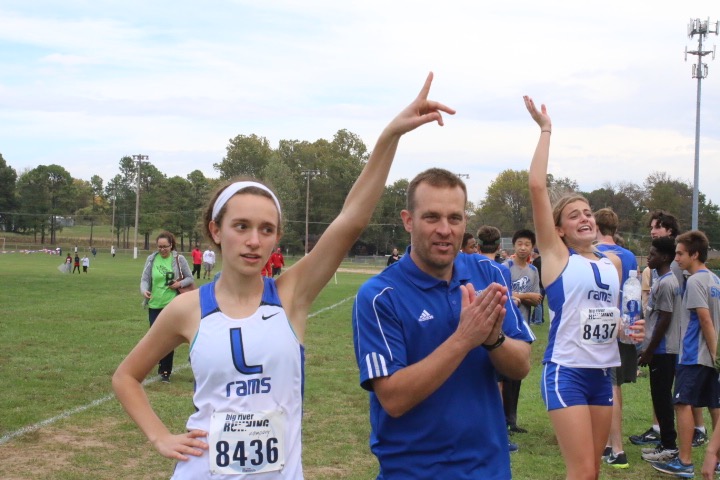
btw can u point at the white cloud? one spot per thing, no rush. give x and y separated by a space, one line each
85 83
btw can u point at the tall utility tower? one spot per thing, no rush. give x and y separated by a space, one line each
701 28
307 174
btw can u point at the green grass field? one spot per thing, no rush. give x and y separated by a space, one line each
63 335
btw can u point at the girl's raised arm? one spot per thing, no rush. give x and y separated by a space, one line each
301 283
549 244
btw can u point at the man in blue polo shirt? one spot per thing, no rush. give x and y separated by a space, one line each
430 333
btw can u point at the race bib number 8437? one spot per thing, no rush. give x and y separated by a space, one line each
599 325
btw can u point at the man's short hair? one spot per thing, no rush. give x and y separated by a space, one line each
488 239
606 221
466 238
694 242
435 177
524 233
665 220
665 246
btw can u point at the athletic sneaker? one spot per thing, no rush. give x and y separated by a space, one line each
675 467
165 378
515 429
699 438
606 453
513 447
650 437
618 461
660 454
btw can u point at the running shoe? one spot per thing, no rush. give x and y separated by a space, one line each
165 378
699 438
650 437
515 429
606 453
660 454
513 447
675 467
618 461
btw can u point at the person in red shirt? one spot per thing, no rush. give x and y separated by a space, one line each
278 261
197 260
267 269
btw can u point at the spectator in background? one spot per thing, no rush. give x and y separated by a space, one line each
197 257
394 257
278 261
208 262
85 263
76 263
112 250
165 271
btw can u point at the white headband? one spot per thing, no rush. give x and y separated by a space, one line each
235 188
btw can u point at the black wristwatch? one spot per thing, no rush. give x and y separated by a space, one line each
500 341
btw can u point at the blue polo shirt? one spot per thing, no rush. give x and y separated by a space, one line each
400 317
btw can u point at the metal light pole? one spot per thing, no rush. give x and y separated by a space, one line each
139 159
307 174
700 28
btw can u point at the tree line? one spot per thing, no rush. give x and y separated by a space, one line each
38 202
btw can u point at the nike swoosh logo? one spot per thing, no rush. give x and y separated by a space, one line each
268 316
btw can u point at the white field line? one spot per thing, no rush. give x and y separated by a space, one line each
37 426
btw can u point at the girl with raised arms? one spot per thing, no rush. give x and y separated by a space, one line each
246 331
582 286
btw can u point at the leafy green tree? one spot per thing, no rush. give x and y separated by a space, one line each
386 230
666 193
180 213
46 192
245 155
507 203
8 198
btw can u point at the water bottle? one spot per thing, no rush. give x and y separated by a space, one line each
631 305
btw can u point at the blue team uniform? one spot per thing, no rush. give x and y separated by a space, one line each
583 328
399 318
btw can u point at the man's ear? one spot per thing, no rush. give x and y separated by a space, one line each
407 220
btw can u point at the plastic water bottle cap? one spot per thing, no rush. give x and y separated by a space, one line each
632 273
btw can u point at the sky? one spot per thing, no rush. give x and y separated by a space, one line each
85 83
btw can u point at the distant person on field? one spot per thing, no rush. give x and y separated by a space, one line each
394 257
267 269
93 251
430 334
246 332
208 259
159 286
197 261
76 263
85 263
112 251
278 261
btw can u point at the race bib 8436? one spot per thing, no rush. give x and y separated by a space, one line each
247 442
